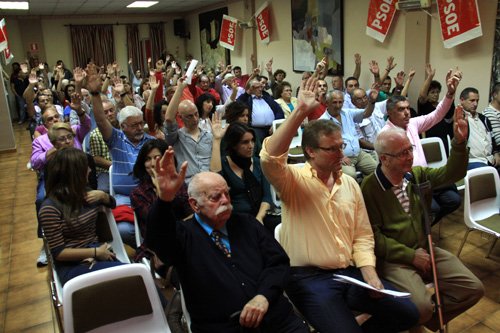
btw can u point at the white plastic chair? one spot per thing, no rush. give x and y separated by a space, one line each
434 152
111 189
116 240
482 203
117 299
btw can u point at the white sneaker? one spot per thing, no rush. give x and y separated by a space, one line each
42 258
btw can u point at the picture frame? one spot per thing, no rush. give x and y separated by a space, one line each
211 51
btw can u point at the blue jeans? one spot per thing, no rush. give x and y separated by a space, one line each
21 105
328 304
444 201
40 196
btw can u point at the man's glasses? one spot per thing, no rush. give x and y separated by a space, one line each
334 149
136 125
65 138
402 154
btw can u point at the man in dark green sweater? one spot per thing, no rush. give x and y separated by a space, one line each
396 217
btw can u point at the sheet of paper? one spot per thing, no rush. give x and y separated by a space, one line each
347 279
190 70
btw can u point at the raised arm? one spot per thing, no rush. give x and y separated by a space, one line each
422 96
390 66
269 70
375 70
217 133
357 63
173 106
406 86
373 99
94 84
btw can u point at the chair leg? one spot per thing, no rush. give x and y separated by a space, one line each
491 247
463 241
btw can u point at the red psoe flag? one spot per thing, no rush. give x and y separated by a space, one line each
4 44
228 32
380 16
460 21
262 18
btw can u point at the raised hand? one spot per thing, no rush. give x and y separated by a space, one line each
460 125
78 74
153 83
374 92
429 71
24 67
216 125
357 59
411 74
307 95
76 102
269 66
390 64
33 79
399 78
256 71
320 67
453 78
373 65
168 180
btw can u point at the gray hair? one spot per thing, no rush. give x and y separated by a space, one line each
384 137
128 111
329 96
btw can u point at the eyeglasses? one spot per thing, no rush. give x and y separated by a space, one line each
65 138
402 154
135 125
333 150
216 197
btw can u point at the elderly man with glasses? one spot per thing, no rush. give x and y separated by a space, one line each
396 217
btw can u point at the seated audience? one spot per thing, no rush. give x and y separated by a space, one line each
397 220
325 229
68 216
483 148
203 87
231 268
285 99
249 190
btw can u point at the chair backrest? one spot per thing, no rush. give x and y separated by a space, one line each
434 151
55 285
107 231
277 231
86 143
117 299
481 195
111 188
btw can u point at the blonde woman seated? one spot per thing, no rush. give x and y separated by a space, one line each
285 100
68 216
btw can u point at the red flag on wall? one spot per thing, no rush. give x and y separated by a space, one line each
263 22
4 44
380 16
460 21
228 32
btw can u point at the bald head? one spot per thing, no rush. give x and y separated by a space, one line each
189 114
389 139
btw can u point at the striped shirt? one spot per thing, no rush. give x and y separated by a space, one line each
493 116
402 195
124 154
98 148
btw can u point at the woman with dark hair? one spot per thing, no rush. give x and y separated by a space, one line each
154 113
68 216
285 99
205 104
144 195
249 190
236 111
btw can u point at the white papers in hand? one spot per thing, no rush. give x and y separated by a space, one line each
347 279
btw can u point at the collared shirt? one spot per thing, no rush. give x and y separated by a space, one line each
479 142
493 116
124 154
322 228
208 229
38 113
262 114
421 124
99 148
196 152
349 120
347 102
369 128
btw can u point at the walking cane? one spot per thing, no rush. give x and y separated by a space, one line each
423 190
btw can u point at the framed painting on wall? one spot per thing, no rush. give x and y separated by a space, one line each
317 32
211 51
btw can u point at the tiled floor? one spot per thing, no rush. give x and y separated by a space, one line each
25 304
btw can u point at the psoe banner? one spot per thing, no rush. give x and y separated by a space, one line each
4 43
263 22
380 16
460 21
228 32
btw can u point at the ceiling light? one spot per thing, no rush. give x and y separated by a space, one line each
14 5
142 4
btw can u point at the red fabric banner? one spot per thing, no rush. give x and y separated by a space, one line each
3 35
460 21
228 32
380 16
263 22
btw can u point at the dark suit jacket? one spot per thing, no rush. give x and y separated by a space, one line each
277 110
215 286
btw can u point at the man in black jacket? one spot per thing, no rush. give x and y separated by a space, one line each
231 269
263 109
